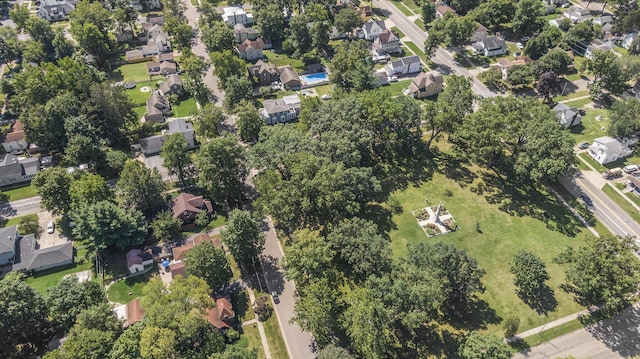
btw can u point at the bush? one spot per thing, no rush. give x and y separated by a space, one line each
232 335
511 326
262 308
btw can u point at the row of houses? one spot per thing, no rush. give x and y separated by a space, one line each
58 10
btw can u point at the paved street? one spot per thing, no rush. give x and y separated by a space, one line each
418 37
298 342
21 207
613 338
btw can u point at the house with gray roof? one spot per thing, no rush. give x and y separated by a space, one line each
55 10
577 14
153 145
157 107
289 78
172 86
236 15
598 45
568 116
387 43
403 66
606 149
491 46
241 33
32 258
15 170
8 238
281 110
264 73
372 29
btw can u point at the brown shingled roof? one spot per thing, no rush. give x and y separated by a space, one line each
16 133
134 311
178 268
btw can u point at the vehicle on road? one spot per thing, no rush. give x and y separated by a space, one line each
51 227
276 298
614 172
583 145
630 168
519 45
586 199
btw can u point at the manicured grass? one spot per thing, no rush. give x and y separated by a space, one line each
274 338
184 108
580 103
590 128
572 95
403 9
555 332
506 227
50 278
140 111
412 6
324 89
395 88
14 194
594 164
419 23
251 339
281 59
632 196
16 220
398 32
119 292
416 50
138 97
131 72
622 202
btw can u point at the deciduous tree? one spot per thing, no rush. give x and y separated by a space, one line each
209 263
218 37
528 19
347 20
237 90
530 274
165 227
69 298
207 119
249 121
625 117
140 188
482 346
221 170
177 159
494 13
548 86
89 188
308 258
271 22
227 65
349 67
243 236
53 187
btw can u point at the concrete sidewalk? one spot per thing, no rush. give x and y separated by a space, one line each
553 324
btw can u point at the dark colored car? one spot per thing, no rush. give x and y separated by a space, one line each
275 297
583 145
586 199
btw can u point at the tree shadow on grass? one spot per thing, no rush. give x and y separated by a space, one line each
455 168
542 303
520 345
240 302
477 316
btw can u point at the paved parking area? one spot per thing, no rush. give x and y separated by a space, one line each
157 162
49 240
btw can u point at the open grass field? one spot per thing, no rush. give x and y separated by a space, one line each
119 291
509 220
251 339
14 194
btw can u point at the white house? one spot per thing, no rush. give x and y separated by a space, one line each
8 237
281 110
138 259
403 66
598 45
606 149
569 117
629 38
603 20
491 46
55 10
372 29
577 14
236 15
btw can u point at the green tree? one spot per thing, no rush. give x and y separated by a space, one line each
625 117
270 21
349 68
221 170
428 9
209 263
236 352
581 33
334 352
608 72
53 187
206 121
368 324
492 78
91 24
603 272
61 46
481 346
181 35
243 236
29 225
110 111
494 13
100 317
218 37
547 39
236 90
249 121
127 346
556 61
25 318
165 227
548 86
308 258
103 224
20 15
67 299
463 6
193 67
299 34
347 20
140 188
33 51
87 343
510 326
317 310
157 343
320 34
177 159
530 274
528 17
10 47
520 75
227 65
89 188
82 144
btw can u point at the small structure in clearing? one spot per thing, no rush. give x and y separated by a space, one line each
435 220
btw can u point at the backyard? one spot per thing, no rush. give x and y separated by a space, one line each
128 289
495 223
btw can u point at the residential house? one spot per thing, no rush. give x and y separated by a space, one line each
442 10
373 28
628 39
222 315
281 110
187 206
568 116
138 259
242 33
403 66
153 68
632 92
180 252
380 78
154 30
365 10
158 107
134 312
134 56
151 5
8 238
178 269
606 149
173 85
55 10
505 64
15 170
491 46
264 73
577 14
168 57
598 45
387 43
236 15
426 84
161 42
602 20
31 258
14 141
168 68
335 34
124 36
251 50
289 78
480 33
153 145
557 21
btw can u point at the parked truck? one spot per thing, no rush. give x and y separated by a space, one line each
612 173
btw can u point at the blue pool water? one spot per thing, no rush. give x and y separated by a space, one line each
314 78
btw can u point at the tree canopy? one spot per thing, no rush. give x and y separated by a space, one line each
243 236
209 263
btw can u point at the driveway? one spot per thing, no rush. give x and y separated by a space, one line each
157 162
47 240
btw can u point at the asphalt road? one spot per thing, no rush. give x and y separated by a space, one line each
604 209
21 207
418 36
614 338
298 342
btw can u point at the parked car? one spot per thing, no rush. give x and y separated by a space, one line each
519 45
517 53
586 199
275 297
583 145
51 226
525 38
630 168
393 78
326 97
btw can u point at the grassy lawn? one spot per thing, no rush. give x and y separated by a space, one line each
50 278
281 59
395 88
324 89
119 291
555 332
397 31
184 108
14 194
15 220
140 111
594 164
416 50
251 339
138 97
403 8
420 23
622 202
508 223
633 197
274 338
412 5
131 72
580 103
590 128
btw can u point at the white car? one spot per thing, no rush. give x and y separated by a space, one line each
51 227
630 168
326 97
519 45
393 79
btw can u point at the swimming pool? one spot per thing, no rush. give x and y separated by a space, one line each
314 79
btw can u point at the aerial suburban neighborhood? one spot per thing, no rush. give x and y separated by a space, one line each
319 179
